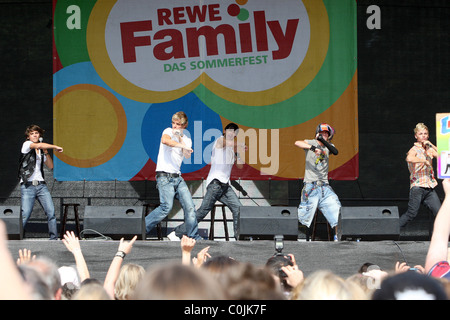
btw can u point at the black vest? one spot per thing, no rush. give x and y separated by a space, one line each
27 163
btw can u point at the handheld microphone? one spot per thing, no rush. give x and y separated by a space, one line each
40 140
332 149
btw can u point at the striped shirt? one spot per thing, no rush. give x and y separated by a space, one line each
421 175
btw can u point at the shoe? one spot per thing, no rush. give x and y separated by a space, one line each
335 238
173 237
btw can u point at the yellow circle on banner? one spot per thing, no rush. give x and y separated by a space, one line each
315 56
82 112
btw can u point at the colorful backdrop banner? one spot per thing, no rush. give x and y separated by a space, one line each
443 144
122 68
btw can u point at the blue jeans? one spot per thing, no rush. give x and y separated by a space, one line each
40 192
417 196
315 197
170 188
216 192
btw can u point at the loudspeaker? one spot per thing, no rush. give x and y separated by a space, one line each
266 222
369 223
114 221
12 217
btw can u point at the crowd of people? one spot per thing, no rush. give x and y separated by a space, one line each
207 277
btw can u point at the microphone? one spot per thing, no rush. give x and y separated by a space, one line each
40 140
332 149
177 133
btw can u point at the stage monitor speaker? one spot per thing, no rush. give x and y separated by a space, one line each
265 222
12 217
369 223
114 221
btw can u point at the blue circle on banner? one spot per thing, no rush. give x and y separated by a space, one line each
204 127
132 148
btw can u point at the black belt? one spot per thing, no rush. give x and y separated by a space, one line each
166 174
36 183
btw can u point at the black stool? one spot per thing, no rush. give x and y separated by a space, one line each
149 206
213 217
64 220
315 223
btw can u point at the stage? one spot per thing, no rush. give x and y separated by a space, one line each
344 257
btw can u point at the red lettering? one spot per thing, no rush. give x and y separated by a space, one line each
176 43
245 37
178 15
284 40
214 13
210 34
196 13
164 16
130 42
173 42
261 31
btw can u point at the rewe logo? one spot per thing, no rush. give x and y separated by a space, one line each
165 45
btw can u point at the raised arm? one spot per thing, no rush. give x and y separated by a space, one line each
73 245
438 250
114 268
12 285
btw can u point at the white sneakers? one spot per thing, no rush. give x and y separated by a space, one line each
173 237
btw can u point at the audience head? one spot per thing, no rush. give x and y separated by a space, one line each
68 291
91 290
246 281
177 282
37 287
325 285
218 265
69 274
366 267
129 276
410 285
49 273
274 265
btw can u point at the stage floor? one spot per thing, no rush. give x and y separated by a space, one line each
344 257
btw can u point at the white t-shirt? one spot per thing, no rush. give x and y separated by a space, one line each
170 158
222 160
37 174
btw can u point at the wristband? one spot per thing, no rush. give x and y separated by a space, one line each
313 148
120 254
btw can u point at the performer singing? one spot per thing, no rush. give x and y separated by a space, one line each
173 148
316 192
34 154
225 154
422 180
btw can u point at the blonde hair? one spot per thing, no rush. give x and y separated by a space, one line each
420 126
323 285
129 276
91 291
182 117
